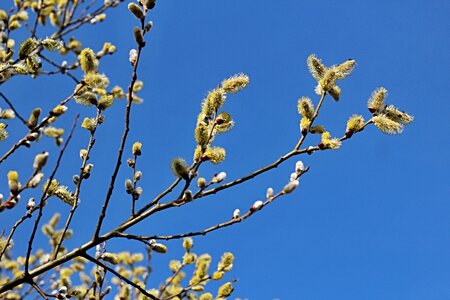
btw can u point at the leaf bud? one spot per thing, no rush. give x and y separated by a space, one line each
129 186
256 206
39 161
290 187
31 204
219 177
187 196
299 167
138 36
188 243
136 10
201 182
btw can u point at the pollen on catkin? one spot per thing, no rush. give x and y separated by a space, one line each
226 262
225 290
201 135
50 187
235 83
86 98
3 132
329 143
206 296
397 115
215 154
96 80
198 153
354 124
386 125
88 61
27 47
63 193
376 100
305 107
318 129
305 123
315 66
105 102
216 99
51 44
344 69
89 124
328 81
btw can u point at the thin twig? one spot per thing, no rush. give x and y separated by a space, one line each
19 191
61 69
22 141
122 142
113 233
316 113
33 32
99 263
13 229
39 290
168 282
78 187
133 199
13 109
44 195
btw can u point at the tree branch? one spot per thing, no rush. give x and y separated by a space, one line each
99 263
44 197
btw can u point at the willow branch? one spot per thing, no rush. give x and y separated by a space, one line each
39 290
19 191
61 69
100 264
43 197
13 109
13 229
122 142
22 141
81 177
164 287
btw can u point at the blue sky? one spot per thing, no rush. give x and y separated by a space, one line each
370 221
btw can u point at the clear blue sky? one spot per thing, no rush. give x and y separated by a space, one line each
370 221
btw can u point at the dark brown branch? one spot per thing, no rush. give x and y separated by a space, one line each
22 141
13 229
13 109
33 31
81 177
44 195
39 290
61 69
122 142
